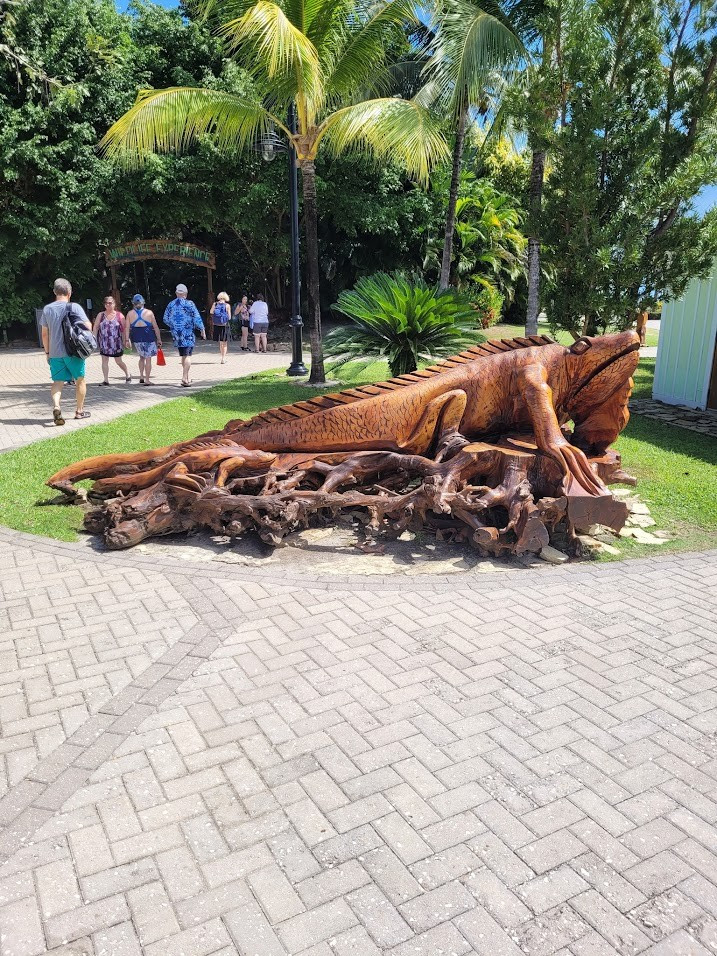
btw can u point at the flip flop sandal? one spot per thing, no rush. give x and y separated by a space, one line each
128 379
104 383
57 416
82 414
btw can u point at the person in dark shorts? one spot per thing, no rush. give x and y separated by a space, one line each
242 313
111 334
221 312
259 322
143 332
182 318
64 368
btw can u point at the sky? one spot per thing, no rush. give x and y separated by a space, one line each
707 198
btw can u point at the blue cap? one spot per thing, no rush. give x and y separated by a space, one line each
137 299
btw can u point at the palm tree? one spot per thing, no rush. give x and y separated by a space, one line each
474 44
319 56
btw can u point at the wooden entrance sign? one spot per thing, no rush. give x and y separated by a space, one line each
143 250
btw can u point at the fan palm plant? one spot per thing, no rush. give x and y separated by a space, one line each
475 45
403 319
317 56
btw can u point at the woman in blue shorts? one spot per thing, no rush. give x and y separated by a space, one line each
143 333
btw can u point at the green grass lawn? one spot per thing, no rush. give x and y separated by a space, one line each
676 468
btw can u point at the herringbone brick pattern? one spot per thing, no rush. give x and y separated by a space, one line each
73 636
527 769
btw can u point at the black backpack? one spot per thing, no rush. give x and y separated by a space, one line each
78 339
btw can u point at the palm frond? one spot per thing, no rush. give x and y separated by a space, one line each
391 129
171 121
369 30
471 45
402 78
325 23
217 11
274 48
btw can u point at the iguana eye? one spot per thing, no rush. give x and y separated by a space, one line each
581 345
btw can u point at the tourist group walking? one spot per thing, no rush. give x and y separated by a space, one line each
69 337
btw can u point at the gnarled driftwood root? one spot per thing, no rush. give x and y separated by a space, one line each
503 497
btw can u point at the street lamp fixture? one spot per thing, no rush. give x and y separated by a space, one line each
269 146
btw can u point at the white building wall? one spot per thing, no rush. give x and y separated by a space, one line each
687 342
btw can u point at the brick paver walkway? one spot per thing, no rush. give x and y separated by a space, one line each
204 761
26 408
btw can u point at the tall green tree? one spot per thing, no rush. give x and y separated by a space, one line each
474 42
537 107
317 57
638 143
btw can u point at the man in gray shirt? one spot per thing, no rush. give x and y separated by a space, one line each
63 367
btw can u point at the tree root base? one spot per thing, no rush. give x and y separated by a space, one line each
503 497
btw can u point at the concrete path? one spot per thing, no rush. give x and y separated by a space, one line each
26 408
200 761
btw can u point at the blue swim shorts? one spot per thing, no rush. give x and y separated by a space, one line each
66 368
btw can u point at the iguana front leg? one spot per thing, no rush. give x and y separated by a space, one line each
538 398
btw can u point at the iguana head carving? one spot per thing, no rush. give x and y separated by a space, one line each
597 367
599 381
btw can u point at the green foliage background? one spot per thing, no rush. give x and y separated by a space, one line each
61 203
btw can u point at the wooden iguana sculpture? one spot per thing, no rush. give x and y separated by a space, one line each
525 386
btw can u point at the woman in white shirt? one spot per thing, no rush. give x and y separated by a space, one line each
259 322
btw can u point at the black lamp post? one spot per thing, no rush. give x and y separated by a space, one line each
270 146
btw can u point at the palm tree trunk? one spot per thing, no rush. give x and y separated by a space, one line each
452 199
308 180
537 172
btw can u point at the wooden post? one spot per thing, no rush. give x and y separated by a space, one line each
210 303
642 318
115 288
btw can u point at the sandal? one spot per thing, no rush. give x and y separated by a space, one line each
141 381
104 383
82 414
128 379
57 416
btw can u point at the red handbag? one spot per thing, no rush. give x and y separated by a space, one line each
161 360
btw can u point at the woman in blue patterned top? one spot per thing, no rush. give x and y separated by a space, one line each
182 319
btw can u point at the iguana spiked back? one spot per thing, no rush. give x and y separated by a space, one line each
287 413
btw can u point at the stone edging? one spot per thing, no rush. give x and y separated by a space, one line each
570 574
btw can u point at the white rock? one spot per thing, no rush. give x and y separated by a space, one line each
608 548
638 508
643 537
552 555
641 521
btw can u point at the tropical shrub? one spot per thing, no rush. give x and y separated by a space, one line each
489 247
404 319
488 304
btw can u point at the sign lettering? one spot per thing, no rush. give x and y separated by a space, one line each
160 249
